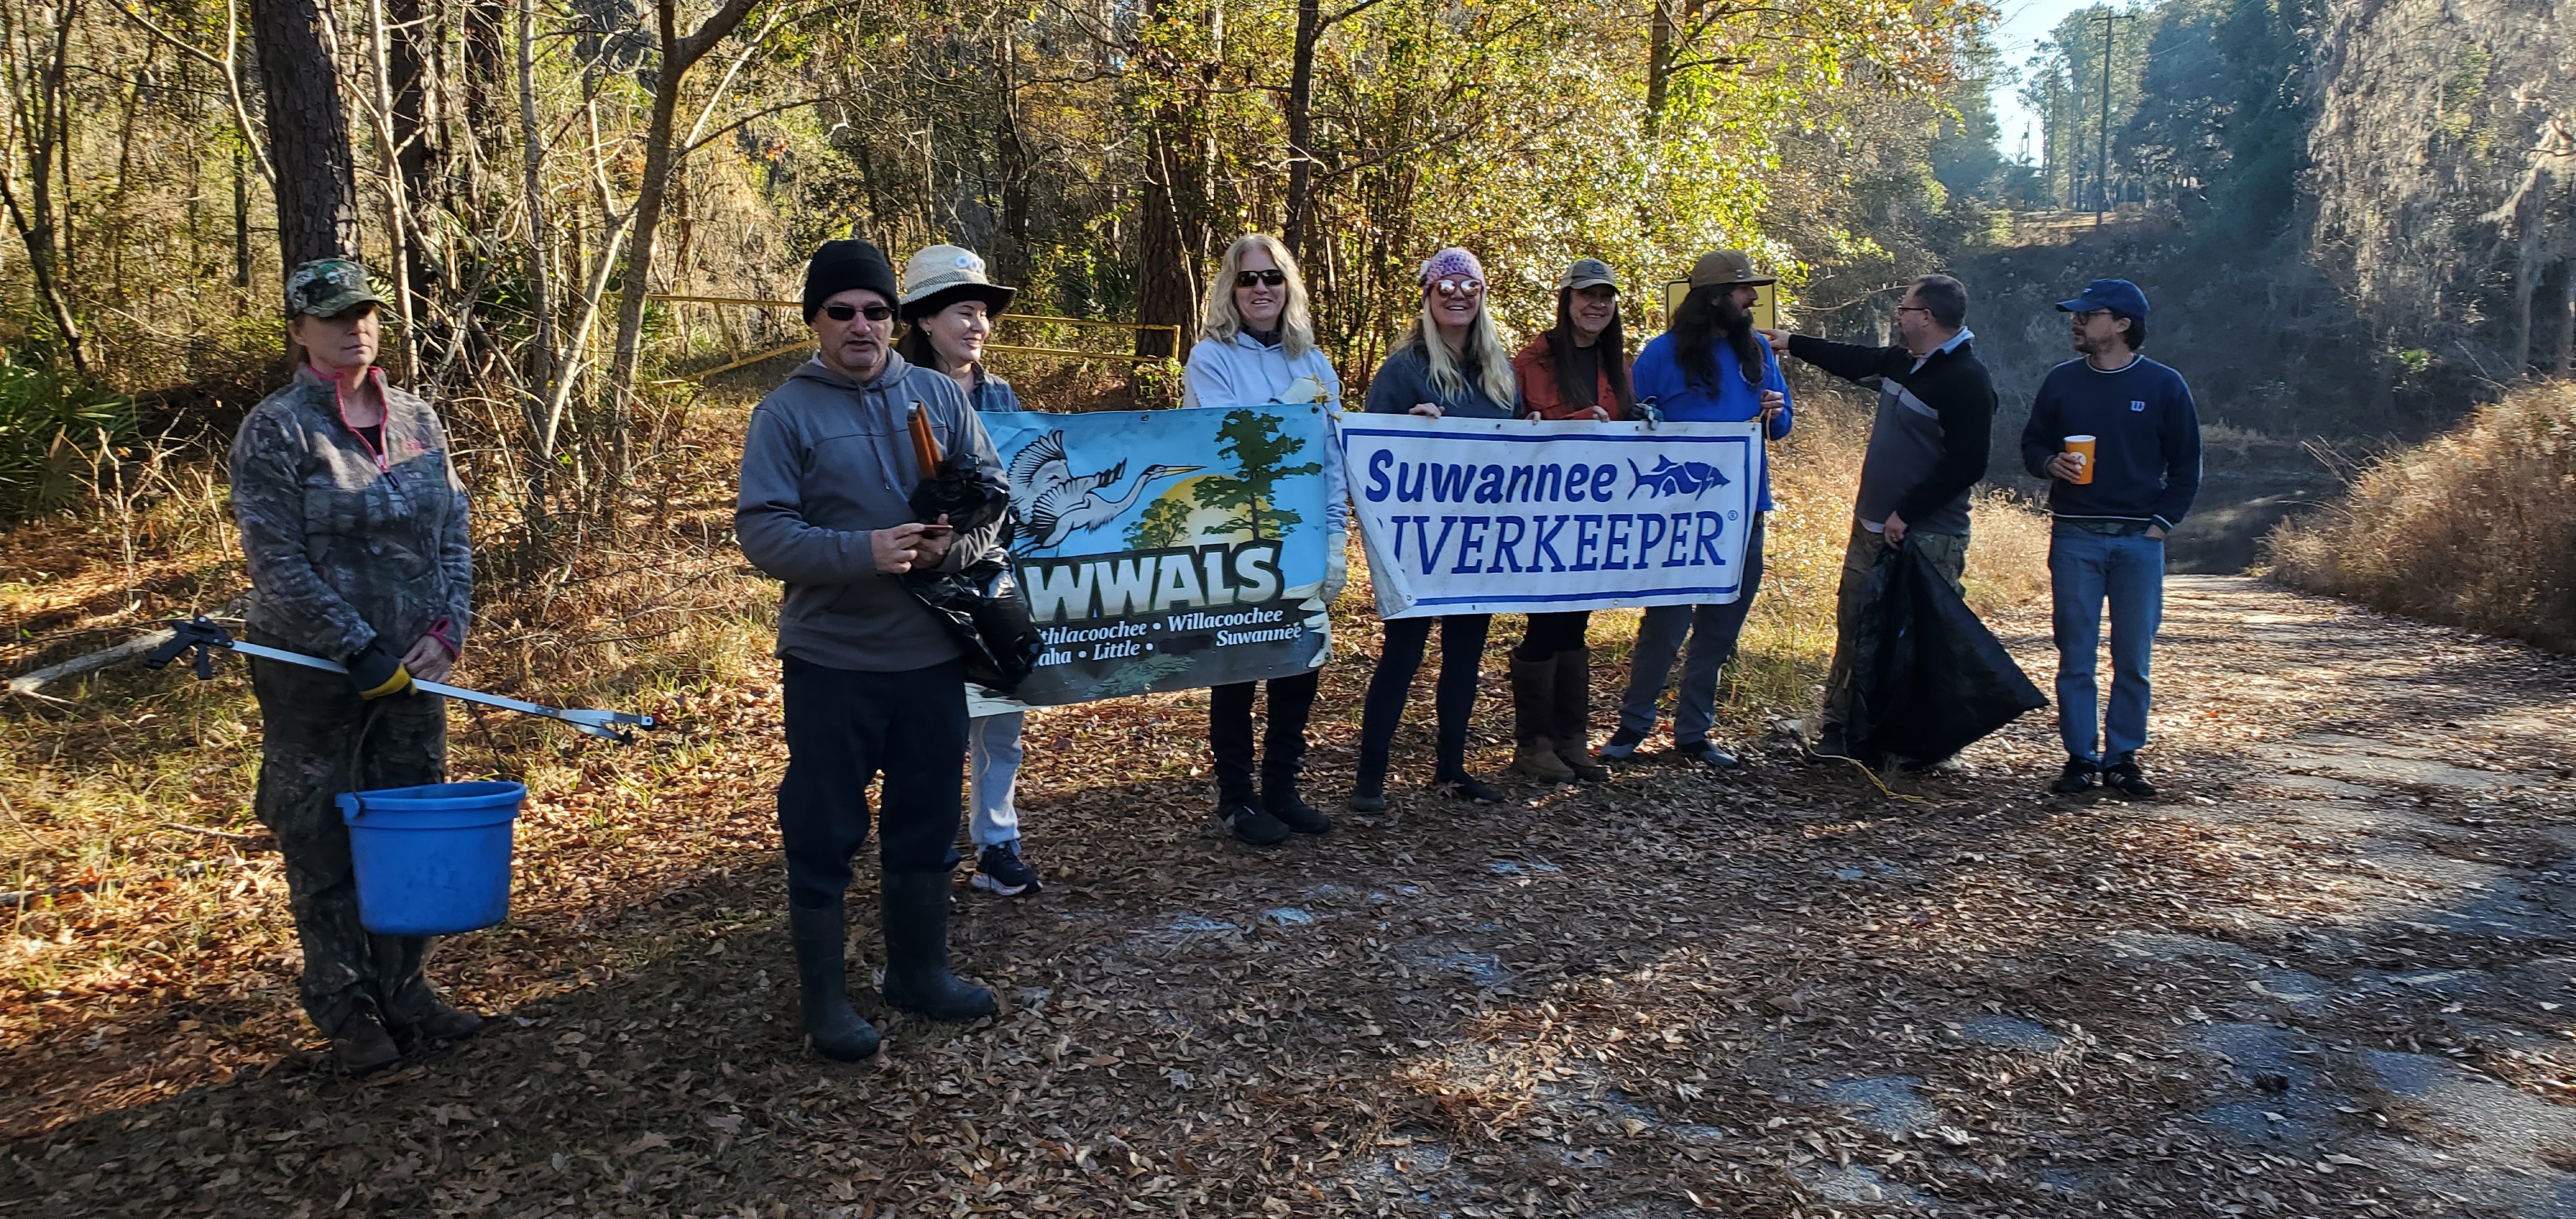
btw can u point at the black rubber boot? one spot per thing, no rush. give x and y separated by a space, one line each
916 931
823 985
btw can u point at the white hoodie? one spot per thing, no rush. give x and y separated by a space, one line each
1246 373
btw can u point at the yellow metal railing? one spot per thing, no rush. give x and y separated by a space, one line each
1007 348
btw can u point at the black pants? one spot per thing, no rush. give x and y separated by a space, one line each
311 727
1283 745
1549 634
845 728
1462 646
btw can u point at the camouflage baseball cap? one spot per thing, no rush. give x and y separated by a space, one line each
327 287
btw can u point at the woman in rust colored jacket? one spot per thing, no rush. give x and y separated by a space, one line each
1577 370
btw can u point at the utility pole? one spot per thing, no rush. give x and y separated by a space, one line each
2102 164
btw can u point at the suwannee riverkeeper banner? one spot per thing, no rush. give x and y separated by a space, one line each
1165 550
1472 516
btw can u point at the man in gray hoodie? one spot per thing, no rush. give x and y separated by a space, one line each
873 683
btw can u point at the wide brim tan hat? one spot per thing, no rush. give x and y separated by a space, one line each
942 275
1727 267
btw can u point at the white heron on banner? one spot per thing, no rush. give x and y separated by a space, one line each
1054 503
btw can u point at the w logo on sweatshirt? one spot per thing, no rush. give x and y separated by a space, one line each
2137 406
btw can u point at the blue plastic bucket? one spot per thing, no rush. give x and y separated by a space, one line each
432 860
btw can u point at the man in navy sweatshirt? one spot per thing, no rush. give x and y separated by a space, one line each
2109 539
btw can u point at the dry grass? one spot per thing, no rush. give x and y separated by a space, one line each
2469 528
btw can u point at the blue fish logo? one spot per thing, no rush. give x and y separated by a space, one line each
1669 477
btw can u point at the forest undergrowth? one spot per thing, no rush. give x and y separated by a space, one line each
143 899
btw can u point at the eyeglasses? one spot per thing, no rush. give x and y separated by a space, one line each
843 313
1270 278
2087 317
1912 309
1454 288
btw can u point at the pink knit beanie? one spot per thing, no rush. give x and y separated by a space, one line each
1452 263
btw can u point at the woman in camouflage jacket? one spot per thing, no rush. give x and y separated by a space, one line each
353 528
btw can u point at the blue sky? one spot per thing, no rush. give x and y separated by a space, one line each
2024 23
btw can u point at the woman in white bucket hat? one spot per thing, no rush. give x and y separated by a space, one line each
948 306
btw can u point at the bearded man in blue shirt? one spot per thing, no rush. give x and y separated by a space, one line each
2113 509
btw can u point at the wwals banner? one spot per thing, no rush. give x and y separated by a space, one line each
1166 550
1472 516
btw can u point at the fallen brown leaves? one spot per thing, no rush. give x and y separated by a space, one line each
1774 993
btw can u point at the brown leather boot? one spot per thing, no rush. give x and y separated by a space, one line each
1570 719
1533 696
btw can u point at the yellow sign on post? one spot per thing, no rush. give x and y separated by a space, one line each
1766 304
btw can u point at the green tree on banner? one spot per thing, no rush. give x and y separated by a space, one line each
1163 526
1258 446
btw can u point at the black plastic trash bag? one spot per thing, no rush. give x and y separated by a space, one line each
1928 678
983 611
970 498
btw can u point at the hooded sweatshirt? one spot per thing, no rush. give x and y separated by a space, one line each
827 461
1248 373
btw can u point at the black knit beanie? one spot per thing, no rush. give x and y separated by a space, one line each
842 265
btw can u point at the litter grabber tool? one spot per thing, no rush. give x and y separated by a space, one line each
203 637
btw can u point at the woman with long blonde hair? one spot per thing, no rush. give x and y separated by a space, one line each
1256 351
1451 362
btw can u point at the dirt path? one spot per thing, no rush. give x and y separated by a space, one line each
2331 971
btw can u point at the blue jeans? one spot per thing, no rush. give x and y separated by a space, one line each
1712 630
2085 569
993 770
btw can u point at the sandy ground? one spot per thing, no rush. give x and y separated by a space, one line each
2326 972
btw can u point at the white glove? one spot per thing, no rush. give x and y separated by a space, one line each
1337 565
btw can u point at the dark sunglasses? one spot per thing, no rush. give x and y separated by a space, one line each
1272 278
843 313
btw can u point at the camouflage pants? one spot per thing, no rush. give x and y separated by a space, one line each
1948 554
312 727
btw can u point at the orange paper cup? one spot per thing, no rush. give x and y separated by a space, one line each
2082 445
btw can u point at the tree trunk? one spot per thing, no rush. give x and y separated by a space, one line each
1011 150
1165 288
36 220
541 371
420 153
2567 317
317 212
1170 218
639 261
1659 64
399 228
1301 126
241 222
661 153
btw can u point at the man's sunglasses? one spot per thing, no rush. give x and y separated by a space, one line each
843 313
1270 278
1459 287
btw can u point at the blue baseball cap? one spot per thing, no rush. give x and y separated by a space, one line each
2117 295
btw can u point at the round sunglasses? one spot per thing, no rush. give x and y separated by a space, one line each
1454 287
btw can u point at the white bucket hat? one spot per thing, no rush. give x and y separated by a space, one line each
941 275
